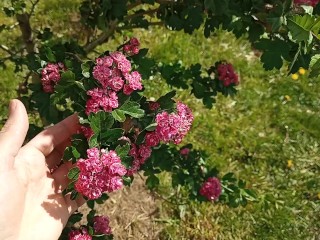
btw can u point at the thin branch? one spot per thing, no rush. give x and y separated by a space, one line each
149 12
75 56
26 30
22 89
6 49
33 6
134 27
102 38
133 5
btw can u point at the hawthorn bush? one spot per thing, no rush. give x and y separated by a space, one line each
122 131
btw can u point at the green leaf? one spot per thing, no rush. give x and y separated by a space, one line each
93 141
74 195
302 27
50 56
315 67
274 51
151 127
86 69
118 115
75 152
67 77
166 101
73 173
127 180
75 217
219 7
101 122
90 204
275 22
90 215
152 181
122 151
133 109
102 199
111 135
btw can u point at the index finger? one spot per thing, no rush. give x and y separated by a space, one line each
51 137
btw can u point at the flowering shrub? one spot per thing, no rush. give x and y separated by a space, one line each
312 3
122 132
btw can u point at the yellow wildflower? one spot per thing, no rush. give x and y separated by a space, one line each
294 76
287 98
302 71
290 163
318 195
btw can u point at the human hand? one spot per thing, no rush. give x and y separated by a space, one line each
32 205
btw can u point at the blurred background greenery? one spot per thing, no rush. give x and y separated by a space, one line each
268 134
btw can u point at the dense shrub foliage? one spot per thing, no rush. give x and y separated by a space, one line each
122 131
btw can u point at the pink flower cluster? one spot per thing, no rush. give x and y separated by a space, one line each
50 76
101 172
174 126
184 151
101 99
80 234
140 154
211 189
153 106
312 3
132 47
170 127
101 225
86 131
227 75
114 74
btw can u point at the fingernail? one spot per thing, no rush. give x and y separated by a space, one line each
12 105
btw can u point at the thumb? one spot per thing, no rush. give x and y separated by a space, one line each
13 133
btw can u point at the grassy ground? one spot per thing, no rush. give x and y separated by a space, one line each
273 119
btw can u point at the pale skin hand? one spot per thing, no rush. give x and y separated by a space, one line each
31 203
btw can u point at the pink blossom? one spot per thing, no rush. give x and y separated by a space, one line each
132 47
134 80
211 189
134 41
153 106
116 83
140 154
174 126
101 99
105 61
227 75
86 131
127 90
50 76
144 153
312 3
152 139
101 225
79 234
101 172
122 62
102 74
113 72
184 151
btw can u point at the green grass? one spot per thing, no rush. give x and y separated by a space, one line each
253 134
